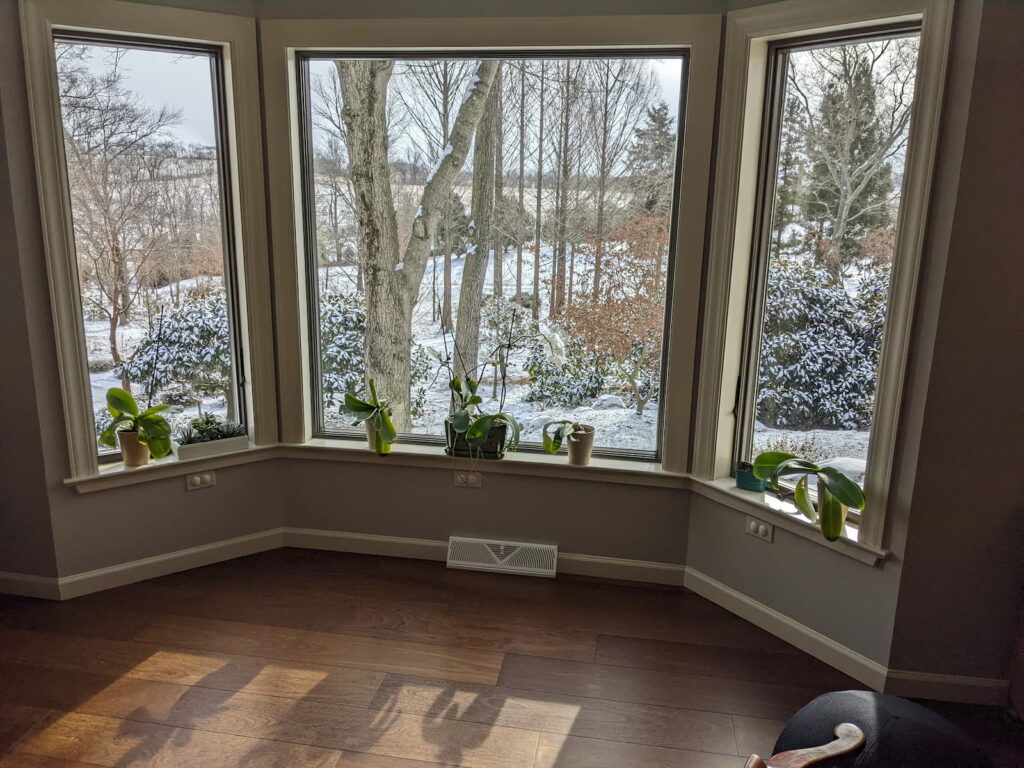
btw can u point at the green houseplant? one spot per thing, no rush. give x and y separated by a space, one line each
380 430
580 439
140 433
836 493
747 480
472 434
207 435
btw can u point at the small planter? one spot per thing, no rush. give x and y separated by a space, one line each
210 448
133 453
376 445
581 446
746 481
492 448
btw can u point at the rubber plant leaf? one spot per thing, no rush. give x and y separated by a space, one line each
119 401
842 487
803 501
766 463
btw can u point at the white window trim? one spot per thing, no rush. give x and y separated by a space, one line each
748 34
236 37
282 39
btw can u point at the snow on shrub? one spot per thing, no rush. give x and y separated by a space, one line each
342 329
820 347
186 355
563 374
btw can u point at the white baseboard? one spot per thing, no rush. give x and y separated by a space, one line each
366 543
431 549
620 568
964 690
171 562
28 585
846 660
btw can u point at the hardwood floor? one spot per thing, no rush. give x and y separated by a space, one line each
297 658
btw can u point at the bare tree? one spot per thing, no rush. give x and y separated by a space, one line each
467 329
539 189
393 273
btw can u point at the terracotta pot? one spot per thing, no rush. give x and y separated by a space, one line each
133 453
581 446
377 446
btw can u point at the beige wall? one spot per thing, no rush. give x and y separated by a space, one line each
963 578
939 604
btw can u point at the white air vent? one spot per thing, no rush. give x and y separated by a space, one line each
502 556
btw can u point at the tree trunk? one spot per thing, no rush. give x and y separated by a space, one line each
522 170
499 165
392 281
467 329
537 213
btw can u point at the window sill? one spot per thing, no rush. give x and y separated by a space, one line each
602 470
117 475
768 509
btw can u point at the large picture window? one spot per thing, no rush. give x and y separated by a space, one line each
143 137
832 170
514 214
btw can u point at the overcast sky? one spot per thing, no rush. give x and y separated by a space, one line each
182 82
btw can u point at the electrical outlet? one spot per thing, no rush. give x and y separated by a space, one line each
200 480
764 531
468 480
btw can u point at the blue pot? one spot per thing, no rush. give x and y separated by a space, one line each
745 480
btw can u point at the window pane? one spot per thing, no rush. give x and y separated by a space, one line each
528 228
843 118
141 140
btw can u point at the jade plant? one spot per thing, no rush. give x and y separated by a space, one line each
151 427
836 493
374 413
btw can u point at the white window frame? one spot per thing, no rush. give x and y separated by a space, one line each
735 218
235 38
282 40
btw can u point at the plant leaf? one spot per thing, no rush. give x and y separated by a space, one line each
831 518
460 420
843 488
385 427
803 500
159 447
552 443
153 427
122 402
479 429
108 438
766 463
354 405
155 409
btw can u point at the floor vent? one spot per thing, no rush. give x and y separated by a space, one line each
502 556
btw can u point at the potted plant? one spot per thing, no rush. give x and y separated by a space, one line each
747 480
836 493
580 440
207 435
140 434
374 413
477 435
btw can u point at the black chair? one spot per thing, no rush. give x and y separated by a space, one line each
863 729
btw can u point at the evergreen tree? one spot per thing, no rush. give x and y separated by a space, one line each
790 185
651 160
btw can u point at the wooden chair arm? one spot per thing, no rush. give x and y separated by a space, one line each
848 738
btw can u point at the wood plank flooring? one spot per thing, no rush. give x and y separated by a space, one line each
297 658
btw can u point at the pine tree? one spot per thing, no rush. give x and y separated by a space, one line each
651 160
